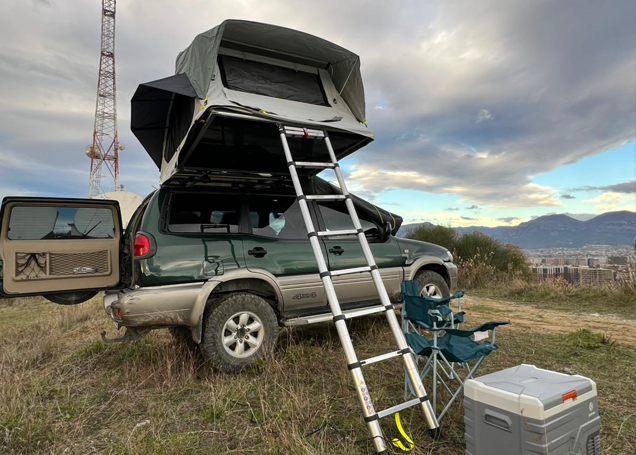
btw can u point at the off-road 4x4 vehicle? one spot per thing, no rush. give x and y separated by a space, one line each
223 268
220 253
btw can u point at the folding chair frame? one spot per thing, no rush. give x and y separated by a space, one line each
433 363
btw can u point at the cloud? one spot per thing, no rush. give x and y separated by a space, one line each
567 196
508 219
506 195
482 115
451 209
467 218
433 72
625 187
608 201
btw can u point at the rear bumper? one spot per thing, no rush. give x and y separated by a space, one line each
158 306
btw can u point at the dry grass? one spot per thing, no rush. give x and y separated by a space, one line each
618 299
63 391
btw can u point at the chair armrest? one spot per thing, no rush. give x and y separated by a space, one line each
482 328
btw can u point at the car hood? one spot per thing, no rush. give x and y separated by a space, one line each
417 249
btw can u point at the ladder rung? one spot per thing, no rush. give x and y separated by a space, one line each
399 407
365 312
293 131
350 271
380 358
334 233
327 197
327 317
316 165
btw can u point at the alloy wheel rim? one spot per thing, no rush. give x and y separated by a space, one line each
242 334
430 290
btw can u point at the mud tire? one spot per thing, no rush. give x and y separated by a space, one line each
428 278
215 329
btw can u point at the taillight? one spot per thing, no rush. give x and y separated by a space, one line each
141 245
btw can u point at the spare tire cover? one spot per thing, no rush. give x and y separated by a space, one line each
71 298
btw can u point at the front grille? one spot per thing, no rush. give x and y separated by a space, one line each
594 444
64 264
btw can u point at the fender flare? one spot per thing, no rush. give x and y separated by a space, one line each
201 303
411 270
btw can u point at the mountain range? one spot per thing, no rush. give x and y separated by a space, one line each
559 231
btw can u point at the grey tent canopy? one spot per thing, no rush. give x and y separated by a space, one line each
199 60
240 73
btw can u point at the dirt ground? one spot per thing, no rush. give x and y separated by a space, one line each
530 318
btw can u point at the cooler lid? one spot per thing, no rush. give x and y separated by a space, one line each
549 387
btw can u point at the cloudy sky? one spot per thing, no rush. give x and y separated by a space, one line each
485 113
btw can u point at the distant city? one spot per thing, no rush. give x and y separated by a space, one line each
590 265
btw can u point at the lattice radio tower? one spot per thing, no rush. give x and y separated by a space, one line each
104 152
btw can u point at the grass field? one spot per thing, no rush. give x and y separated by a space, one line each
63 391
619 301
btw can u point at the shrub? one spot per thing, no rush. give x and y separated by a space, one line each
482 260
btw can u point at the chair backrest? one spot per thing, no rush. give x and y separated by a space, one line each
417 307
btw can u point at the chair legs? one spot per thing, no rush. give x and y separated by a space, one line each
445 373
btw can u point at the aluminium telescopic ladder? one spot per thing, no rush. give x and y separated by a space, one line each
371 416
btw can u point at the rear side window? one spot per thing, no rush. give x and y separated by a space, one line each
51 223
277 217
271 80
204 213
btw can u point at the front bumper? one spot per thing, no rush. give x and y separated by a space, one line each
451 269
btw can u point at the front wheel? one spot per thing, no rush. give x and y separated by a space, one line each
239 329
432 284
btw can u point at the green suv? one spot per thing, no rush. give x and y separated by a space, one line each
222 267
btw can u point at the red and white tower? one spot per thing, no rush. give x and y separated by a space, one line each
104 152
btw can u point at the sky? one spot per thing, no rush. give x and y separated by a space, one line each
485 113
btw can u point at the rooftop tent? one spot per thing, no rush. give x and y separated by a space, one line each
235 82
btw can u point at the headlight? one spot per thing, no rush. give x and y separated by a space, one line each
450 256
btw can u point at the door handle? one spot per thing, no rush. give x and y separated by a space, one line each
257 252
336 250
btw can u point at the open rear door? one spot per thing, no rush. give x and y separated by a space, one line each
64 249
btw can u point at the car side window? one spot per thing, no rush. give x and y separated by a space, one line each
336 218
204 213
277 217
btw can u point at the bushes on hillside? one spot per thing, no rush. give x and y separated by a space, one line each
482 260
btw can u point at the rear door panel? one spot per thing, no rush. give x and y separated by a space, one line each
51 245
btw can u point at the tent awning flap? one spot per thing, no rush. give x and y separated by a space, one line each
162 113
365 209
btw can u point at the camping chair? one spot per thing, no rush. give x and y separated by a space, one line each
447 354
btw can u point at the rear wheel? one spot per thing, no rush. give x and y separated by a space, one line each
239 329
432 284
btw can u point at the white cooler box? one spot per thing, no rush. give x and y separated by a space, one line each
527 410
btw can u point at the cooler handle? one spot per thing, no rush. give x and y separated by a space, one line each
497 420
